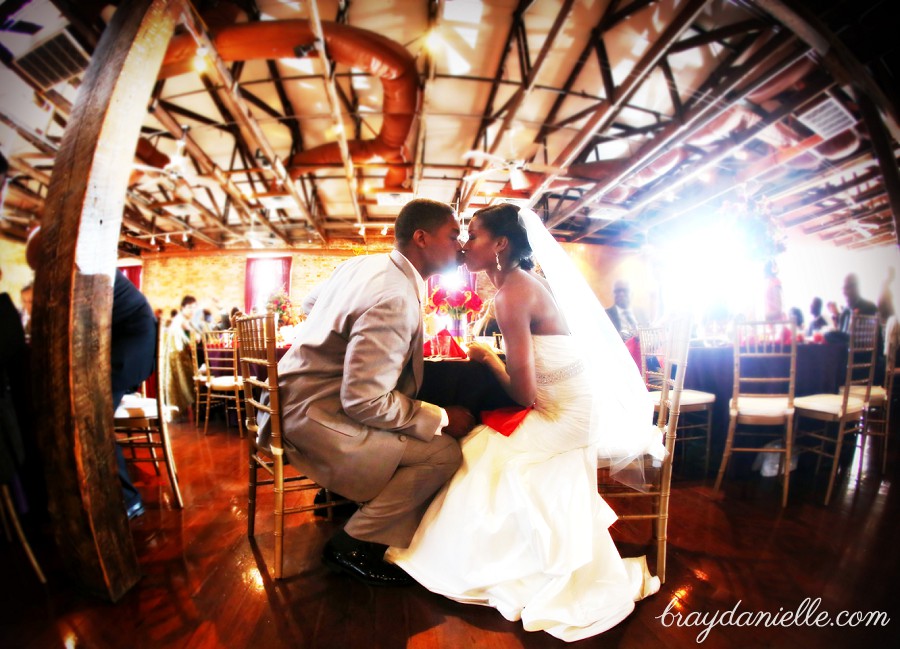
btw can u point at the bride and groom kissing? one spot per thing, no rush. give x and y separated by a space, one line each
514 522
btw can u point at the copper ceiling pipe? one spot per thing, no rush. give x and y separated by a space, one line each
357 48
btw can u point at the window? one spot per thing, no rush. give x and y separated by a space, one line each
265 276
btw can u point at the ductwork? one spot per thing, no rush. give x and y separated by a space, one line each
351 46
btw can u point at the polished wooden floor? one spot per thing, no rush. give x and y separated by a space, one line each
206 585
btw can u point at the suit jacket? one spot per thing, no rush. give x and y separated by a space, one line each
349 381
613 314
133 338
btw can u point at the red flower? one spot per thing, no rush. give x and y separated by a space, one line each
456 299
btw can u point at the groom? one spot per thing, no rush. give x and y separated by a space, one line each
348 386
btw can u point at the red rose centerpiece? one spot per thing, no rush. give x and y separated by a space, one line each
456 303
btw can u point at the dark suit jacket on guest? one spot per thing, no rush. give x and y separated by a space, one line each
133 338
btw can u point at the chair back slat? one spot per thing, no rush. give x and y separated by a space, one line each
765 360
861 355
256 338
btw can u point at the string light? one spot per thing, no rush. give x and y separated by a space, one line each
384 231
153 240
362 230
168 239
184 236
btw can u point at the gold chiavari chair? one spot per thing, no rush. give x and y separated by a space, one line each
765 372
672 344
877 417
142 423
695 421
201 377
843 412
224 383
256 341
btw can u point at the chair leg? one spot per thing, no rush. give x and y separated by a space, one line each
251 495
279 516
834 464
206 420
788 454
708 441
11 509
237 407
726 455
169 459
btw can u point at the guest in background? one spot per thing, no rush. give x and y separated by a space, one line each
817 322
886 297
795 314
774 307
855 302
834 315
620 312
179 379
27 295
132 353
486 323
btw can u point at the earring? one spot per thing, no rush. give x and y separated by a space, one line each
497 257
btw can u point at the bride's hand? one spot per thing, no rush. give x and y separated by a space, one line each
479 352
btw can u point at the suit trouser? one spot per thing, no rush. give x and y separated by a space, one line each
391 517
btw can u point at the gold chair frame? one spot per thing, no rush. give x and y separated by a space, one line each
256 335
694 403
755 342
844 410
224 383
658 488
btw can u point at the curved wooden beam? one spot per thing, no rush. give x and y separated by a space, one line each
73 297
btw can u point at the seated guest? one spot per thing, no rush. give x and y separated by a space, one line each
855 302
486 323
132 353
27 295
818 321
620 312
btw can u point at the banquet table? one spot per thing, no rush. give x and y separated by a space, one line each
462 382
820 369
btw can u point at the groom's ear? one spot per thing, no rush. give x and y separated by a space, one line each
420 238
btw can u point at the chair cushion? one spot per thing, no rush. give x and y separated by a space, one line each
226 382
876 396
762 406
134 405
828 403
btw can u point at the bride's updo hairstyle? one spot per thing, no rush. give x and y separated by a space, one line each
503 221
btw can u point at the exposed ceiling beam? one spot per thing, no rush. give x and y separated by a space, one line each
334 103
605 114
230 95
713 101
512 107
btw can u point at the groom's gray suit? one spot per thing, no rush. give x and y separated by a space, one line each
348 385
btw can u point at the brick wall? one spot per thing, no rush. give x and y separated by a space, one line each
220 276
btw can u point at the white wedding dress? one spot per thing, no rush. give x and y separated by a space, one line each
521 527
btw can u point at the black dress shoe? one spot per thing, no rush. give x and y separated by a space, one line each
364 563
135 510
343 511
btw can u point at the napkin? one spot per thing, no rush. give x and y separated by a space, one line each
505 420
455 350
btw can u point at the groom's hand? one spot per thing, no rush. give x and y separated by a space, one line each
461 421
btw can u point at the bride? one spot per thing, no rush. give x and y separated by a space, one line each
521 527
